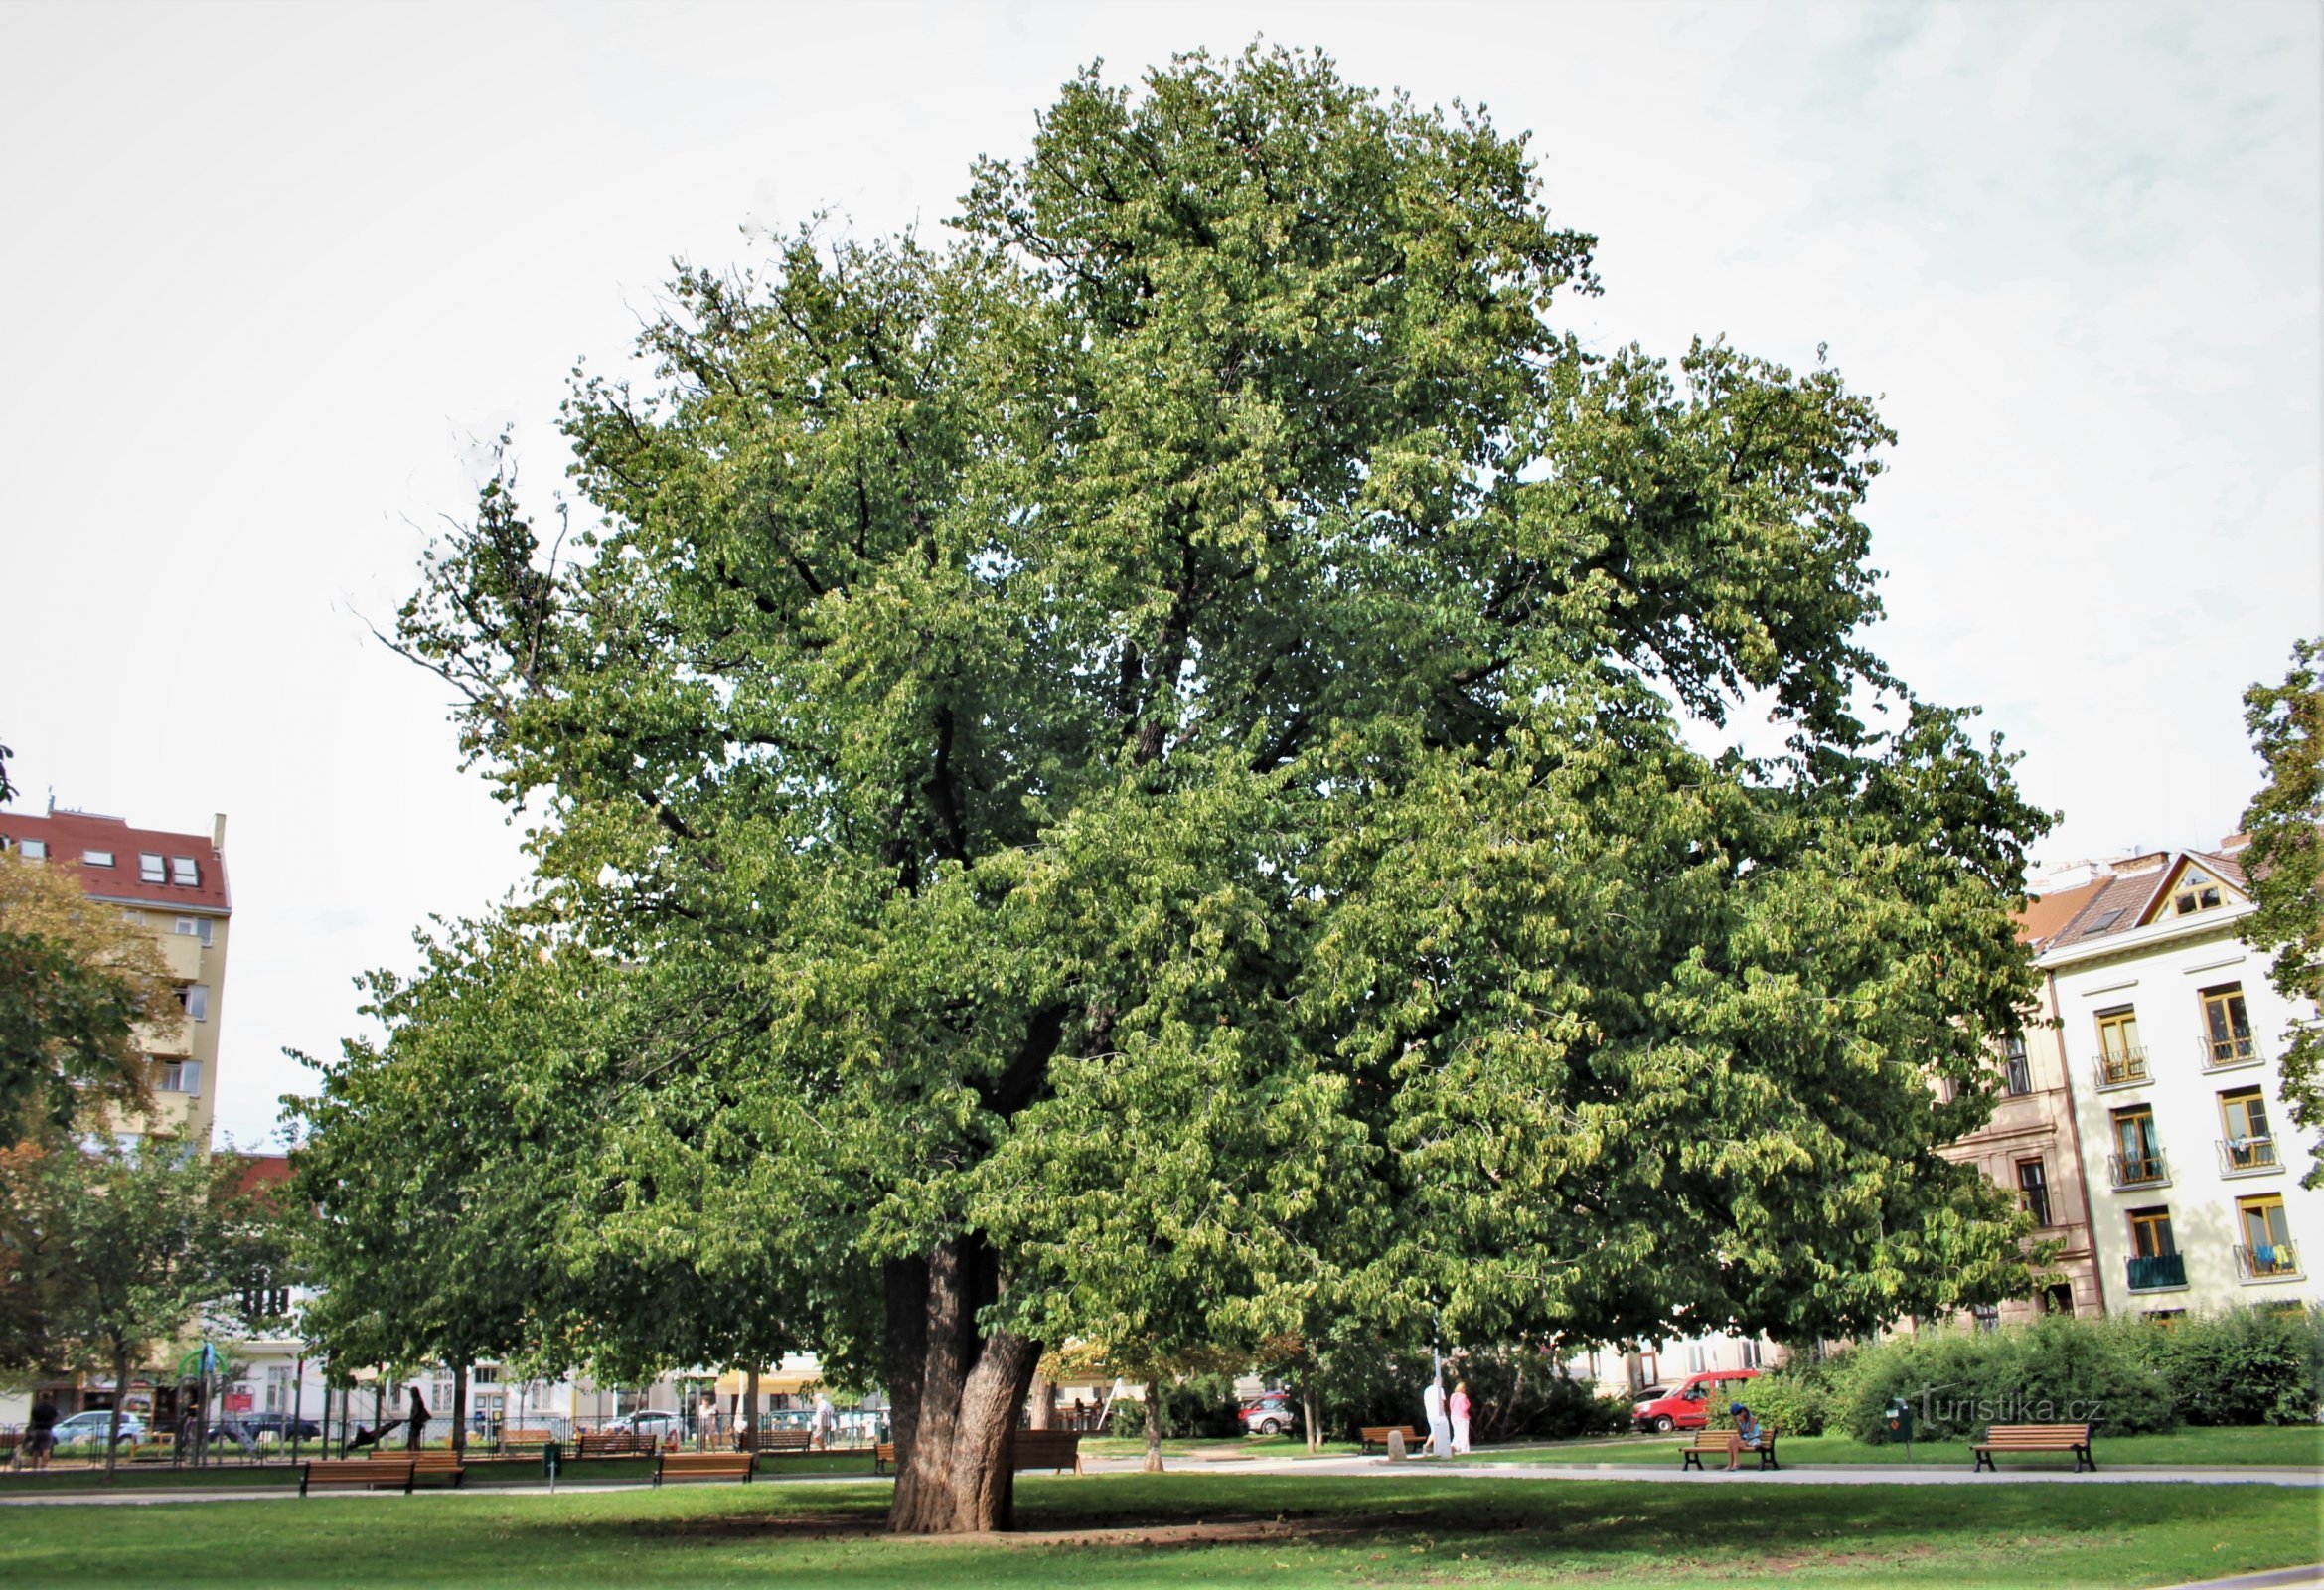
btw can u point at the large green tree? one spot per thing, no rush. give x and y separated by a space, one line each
1150 753
2285 864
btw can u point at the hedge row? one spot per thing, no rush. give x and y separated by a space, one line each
2244 1366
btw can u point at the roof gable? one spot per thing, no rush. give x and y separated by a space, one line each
2194 884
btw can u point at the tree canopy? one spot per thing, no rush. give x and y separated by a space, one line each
1145 763
2285 864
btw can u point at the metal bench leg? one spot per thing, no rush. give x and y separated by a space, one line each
1689 1459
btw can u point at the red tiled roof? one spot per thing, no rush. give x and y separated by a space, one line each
69 833
2046 915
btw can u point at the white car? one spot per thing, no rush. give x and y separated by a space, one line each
95 1425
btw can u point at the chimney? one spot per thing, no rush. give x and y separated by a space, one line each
217 833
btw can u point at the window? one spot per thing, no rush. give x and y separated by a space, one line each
2198 890
2033 1187
34 850
2267 1238
263 1299
195 998
2057 1298
182 1076
2120 1058
486 1374
184 872
1650 1368
201 927
2017 1075
1751 1356
2150 1233
1988 1317
2137 1158
2105 922
97 858
2226 1026
1696 1361
2247 1147
133 918
148 868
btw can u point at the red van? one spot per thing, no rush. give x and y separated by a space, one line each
1687 1407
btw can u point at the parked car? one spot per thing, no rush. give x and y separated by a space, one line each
94 1425
264 1426
656 1423
1689 1406
1270 1413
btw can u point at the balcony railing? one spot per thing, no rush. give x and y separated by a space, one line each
2159 1273
2226 1053
2138 1170
2276 1263
2248 1155
2120 1068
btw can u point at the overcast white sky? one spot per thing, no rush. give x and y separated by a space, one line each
269 272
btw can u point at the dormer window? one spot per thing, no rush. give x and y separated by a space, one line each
2197 891
184 873
149 868
97 858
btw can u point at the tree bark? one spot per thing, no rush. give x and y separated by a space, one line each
459 1406
1312 1413
1154 1427
750 1412
113 1425
1041 1403
955 1393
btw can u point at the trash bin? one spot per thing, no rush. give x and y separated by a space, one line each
1899 1422
552 1458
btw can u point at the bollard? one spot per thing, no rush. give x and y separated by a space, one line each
1396 1452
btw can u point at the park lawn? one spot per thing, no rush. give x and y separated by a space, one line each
2272 1446
1193 1529
1255 1446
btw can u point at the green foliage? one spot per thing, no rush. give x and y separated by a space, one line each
2057 1369
2285 864
1154 742
2244 1366
1804 1397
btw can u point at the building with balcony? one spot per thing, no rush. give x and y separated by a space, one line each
173 887
2168 1026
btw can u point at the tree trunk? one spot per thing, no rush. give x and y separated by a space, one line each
113 1425
1311 1414
459 1406
1041 1403
1153 1426
750 1411
955 1395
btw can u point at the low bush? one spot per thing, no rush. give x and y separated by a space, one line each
1959 1380
2243 1367
1799 1398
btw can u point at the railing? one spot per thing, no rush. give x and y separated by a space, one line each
2269 1263
2163 1271
2138 1170
2120 1068
2224 1054
2247 1156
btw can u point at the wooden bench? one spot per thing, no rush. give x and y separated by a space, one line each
381 1470
1690 1456
525 1438
427 1465
784 1441
883 1457
1376 1434
611 1444
703 1466
2073 1438
1044 1449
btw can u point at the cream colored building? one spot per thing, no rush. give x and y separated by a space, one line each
2171 1031
173 885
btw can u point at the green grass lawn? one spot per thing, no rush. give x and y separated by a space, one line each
2261 1446
1192 1529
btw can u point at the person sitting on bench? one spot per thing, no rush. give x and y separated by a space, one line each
1746 1436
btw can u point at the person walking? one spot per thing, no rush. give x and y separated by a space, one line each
40 1435
1457 1407
418 1421
825 1421
1432 1402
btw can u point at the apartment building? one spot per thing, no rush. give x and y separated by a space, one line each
2170 1028
173 885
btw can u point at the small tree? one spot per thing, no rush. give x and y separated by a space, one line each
75 983
2285 864
128 1244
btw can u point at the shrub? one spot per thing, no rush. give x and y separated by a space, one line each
1800 1398
2244 1366
1961 1380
